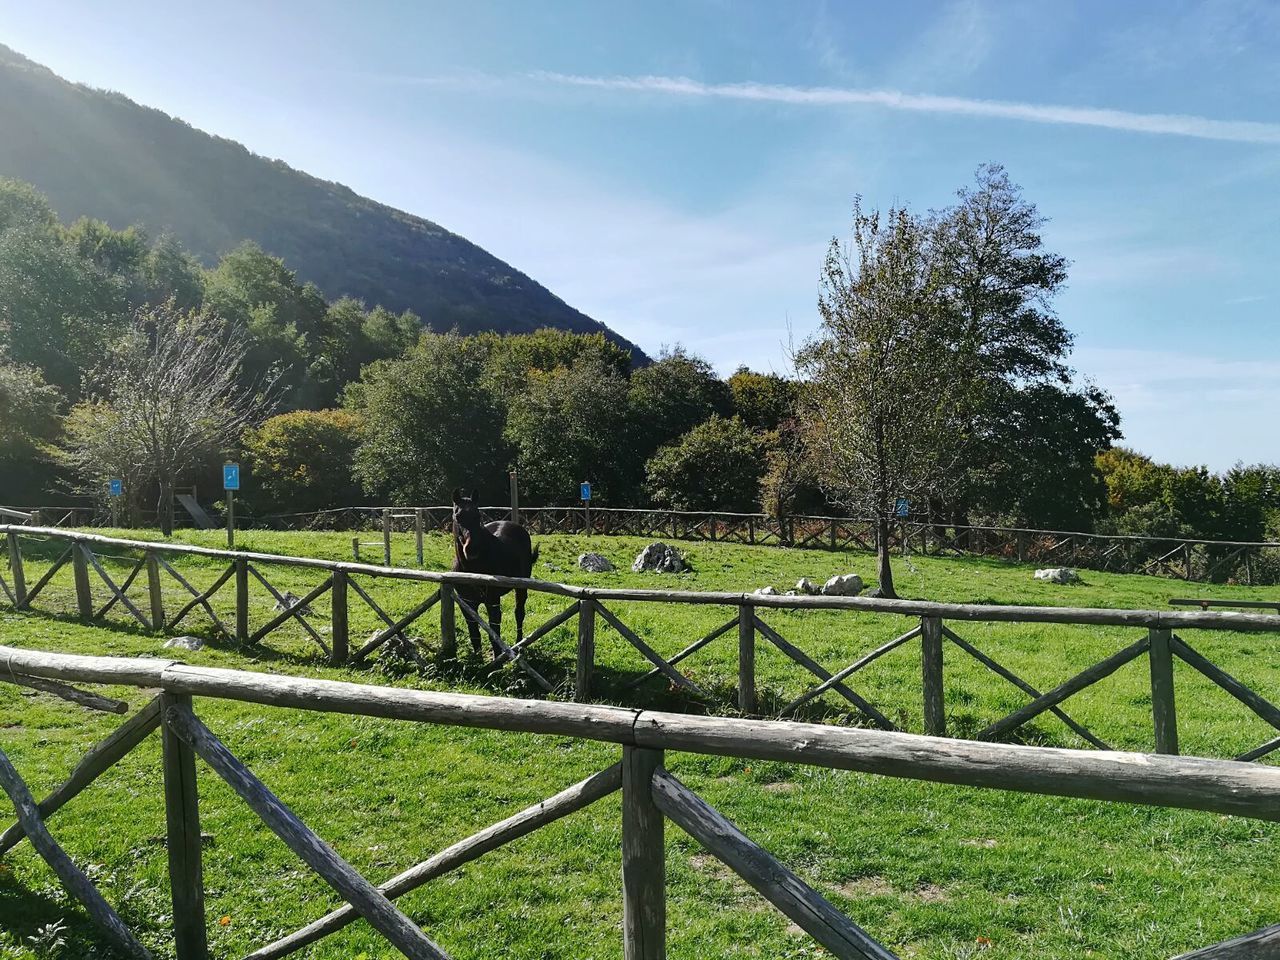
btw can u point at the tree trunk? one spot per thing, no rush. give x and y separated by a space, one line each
164 507
882 558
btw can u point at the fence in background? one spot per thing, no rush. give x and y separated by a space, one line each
651 795
1193 560
932 624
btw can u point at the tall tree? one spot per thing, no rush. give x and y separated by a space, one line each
673 395
715 466
166 399
431 423
884 405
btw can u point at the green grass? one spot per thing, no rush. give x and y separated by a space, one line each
931 870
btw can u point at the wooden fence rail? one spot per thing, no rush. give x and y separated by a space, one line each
937 627
651 795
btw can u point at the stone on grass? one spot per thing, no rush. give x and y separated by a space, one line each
806 587
843 585
184 643
765 592
594 563
1058 575
659 558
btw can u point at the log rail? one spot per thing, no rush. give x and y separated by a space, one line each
934 626
651 796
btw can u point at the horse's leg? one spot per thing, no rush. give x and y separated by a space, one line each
495 624
520 598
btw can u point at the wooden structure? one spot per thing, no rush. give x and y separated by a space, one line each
1159 637
651 795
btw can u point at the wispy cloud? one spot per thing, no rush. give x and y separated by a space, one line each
1205 128
1253 298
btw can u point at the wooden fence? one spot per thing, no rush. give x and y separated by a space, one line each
934 625
1192 560
651 795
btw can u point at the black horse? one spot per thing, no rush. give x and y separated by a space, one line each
502 548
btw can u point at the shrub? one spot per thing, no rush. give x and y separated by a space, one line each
303 461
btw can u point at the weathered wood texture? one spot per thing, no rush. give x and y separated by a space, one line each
586 659
1164 713
570 800
83 698
182 820
935 709
1262 944
339 621
92 765
77 884
16 571
355 889
746 659
644 884
796 899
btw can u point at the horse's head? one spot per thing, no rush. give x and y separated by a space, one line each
466 516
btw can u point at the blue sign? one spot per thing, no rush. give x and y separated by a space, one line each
117 487
586 491
231 476
903 507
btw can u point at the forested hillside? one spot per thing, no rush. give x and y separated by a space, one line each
98 154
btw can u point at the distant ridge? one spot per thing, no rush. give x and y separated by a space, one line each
99 154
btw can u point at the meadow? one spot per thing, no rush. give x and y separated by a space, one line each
931 870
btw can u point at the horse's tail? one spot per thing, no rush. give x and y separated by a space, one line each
533 556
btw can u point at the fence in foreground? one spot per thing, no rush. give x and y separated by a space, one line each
651 795
1193 560
933 625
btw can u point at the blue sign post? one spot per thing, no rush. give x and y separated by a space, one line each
116 488
903 507
231 483
584 490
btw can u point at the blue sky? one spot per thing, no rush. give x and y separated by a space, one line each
676 170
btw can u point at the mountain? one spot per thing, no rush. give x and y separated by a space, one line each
98 154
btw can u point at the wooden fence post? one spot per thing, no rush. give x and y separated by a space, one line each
155 592
1186 561
746 658
16 572
448 632
751 530
80 570
386 537
935 716
1164 714
242 600
586 649
644 894
182 814
515 497
355 549
832 533
417 534
338 620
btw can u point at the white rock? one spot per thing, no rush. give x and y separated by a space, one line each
1058 575
843 585
184 643
659 558
594 563
806 587
765 591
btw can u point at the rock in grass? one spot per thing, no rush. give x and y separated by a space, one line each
806 587
843 585
1058 575
594 563
184 643
659 558
765 592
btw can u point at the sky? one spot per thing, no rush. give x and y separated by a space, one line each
676 170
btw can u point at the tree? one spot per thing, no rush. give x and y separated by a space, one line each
513 357
762 400
886 382
431 423
1039 456
29 425
789 473
715 466
303 461
166 399
673 395
572 424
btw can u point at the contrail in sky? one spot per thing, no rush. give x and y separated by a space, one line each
1173 124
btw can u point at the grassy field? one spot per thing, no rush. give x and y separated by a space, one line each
933 871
